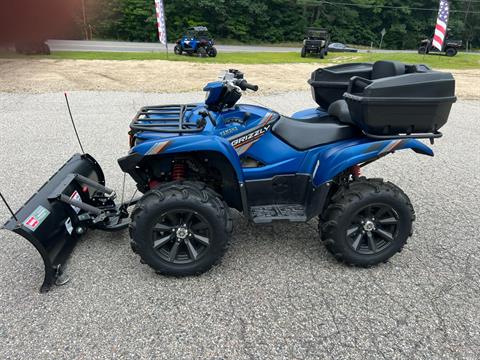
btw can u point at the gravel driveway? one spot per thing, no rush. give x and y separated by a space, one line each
159 76
277 294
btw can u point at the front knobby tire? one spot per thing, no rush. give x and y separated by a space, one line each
177 50
202 52
181 228
303 52
367 222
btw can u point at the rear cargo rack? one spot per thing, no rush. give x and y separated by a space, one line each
166 119
432 135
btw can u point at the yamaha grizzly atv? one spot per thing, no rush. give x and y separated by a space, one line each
195 162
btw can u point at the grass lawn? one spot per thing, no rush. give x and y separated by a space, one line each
461 61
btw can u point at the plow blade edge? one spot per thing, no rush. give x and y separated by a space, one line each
52 219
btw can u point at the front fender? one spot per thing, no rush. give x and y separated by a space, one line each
338 159
187 144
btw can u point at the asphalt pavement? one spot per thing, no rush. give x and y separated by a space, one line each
125 46
277 294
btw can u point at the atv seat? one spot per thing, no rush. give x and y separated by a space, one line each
382 69
339 110
303 134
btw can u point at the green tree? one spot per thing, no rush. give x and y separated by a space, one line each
360 22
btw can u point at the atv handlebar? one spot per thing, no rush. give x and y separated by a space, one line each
244 85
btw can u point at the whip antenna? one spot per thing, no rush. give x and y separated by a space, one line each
73 123
8 207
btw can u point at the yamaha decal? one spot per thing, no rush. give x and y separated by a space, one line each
243 141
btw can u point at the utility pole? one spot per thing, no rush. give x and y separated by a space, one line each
465 23
84 12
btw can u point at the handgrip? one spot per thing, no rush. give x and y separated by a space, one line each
244 85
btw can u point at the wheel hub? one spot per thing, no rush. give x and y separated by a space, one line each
369 225
182 233
181 236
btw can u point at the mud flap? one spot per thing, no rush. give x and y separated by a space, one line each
73 199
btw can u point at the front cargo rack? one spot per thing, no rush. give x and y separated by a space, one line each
166 119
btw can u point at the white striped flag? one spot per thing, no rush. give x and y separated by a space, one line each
441 27
162 28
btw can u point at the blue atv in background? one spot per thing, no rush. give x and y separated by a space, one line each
195 162
196 41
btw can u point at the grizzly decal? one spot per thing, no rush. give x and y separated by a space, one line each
252 136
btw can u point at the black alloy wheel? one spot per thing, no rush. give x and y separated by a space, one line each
181 236
373 229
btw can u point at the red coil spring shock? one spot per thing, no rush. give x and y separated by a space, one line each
356 171
178 171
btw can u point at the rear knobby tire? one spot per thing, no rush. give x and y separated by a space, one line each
321 53
343 225
303 52
212 52
451 52
154 212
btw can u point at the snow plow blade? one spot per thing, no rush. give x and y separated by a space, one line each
73 199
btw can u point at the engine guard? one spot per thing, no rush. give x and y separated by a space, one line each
73 199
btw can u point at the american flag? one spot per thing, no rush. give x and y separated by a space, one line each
162 29
441 27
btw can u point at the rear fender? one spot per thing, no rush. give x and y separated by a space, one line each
183 144
337 159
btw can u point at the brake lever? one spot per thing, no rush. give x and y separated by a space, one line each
205 113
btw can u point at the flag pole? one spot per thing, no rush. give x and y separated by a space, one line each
165 27
161 26
165 24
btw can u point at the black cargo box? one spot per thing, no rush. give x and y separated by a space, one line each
405 104
329 84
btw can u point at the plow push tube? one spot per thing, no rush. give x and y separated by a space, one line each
59 212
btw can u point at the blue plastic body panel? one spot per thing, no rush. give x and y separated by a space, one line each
189 43
322 163
313 113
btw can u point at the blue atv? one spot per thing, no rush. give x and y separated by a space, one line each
195 162
196 41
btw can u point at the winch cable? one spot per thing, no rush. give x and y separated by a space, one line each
131 199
